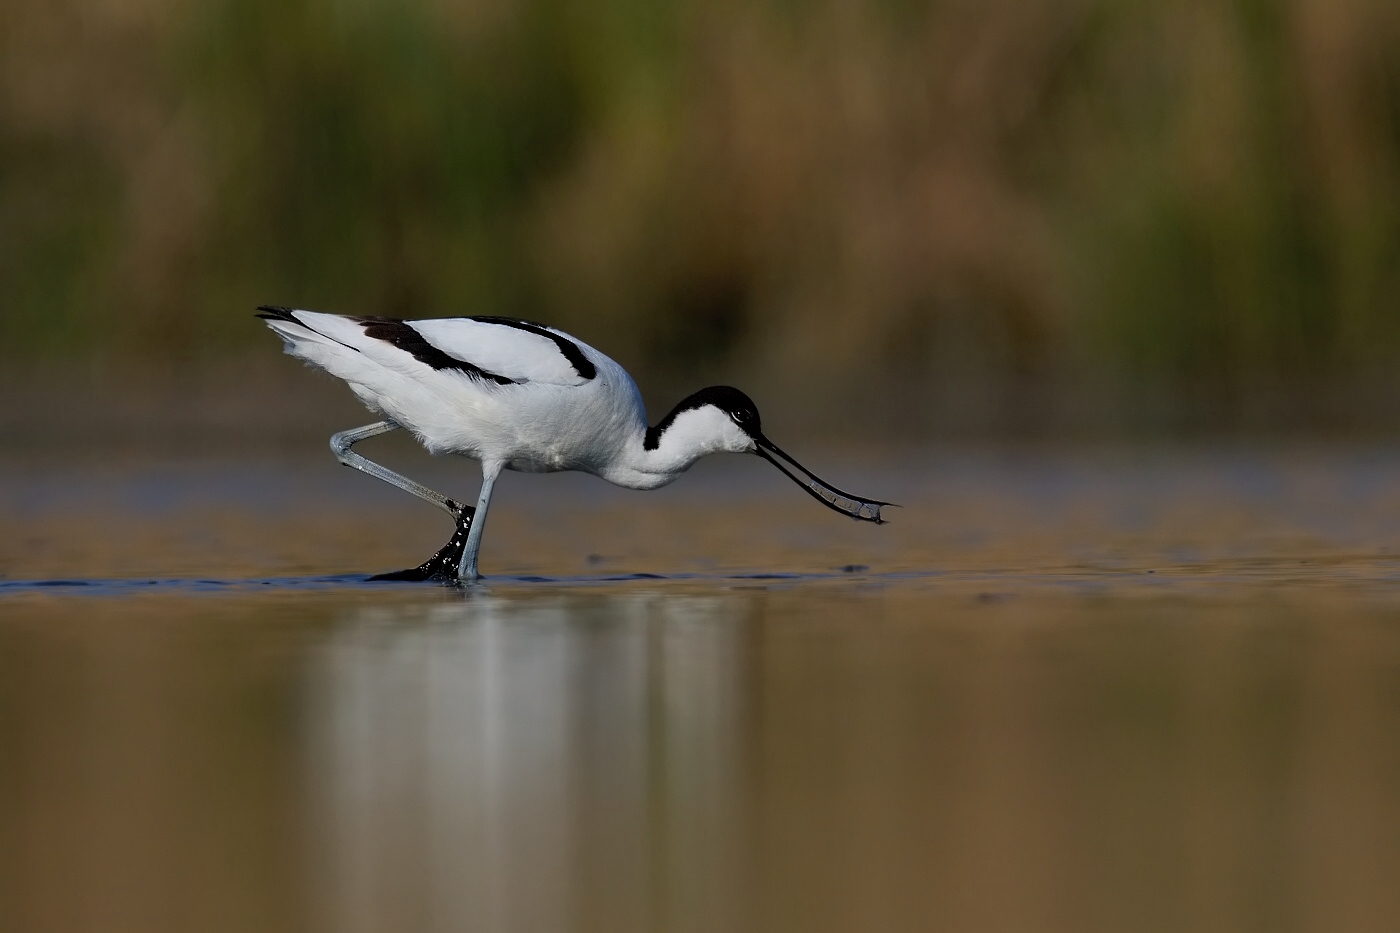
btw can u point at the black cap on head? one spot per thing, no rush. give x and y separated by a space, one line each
727 399
732 402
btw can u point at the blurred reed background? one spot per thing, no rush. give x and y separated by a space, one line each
1004 217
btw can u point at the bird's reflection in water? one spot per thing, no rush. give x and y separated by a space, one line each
538 764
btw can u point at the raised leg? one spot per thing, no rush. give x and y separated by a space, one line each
467 572
443 565
342 443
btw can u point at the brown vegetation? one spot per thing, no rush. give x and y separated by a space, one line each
1015 214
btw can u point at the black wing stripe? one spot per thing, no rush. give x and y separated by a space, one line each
402 335
581 364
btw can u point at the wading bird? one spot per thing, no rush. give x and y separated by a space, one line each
520 396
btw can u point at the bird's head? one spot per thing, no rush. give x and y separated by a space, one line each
729 420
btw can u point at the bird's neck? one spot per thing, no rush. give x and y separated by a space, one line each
674 443
658 454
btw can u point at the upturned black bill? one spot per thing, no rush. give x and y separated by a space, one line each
867 510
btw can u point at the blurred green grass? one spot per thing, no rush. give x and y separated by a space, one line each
1022 214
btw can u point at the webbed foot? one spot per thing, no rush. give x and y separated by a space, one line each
442 566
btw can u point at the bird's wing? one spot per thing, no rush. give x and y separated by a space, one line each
519 350
493 351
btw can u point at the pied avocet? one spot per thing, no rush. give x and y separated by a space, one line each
521 396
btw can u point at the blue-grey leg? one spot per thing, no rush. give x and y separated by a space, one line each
443 565
467 573
342 443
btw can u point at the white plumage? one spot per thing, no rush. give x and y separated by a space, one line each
521 396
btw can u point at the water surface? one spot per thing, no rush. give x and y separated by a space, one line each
1087 691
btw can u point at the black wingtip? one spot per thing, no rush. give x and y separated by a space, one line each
276 313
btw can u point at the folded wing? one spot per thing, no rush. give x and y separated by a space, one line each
490 351
519 350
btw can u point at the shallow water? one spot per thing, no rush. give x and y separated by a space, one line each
1096 690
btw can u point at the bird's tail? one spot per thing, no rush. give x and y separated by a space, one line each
317 339
277 313
306 332
284 322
